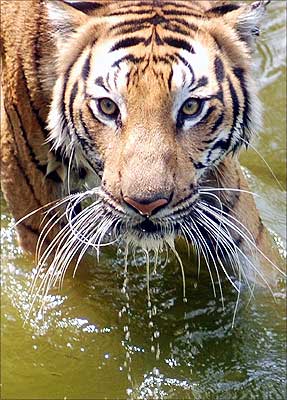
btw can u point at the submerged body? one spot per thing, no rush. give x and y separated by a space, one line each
147 105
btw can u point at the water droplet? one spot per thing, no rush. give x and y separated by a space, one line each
157 352
152 349
156 334
129 391
107 356
184 300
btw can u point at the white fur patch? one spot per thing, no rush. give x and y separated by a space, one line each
182 78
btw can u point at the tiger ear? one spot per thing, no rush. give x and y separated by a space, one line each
65 18
247 19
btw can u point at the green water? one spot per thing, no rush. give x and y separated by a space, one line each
98 341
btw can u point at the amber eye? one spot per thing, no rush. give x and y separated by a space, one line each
191 107
108 107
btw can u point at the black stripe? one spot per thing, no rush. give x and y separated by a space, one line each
182 13
131 13
186 63
132 29
235 104
221 10
37 53
203 81
170 79
29 227
129 42
220 144
239 73
167 59
209 141
85 6
34 109
189 25
219 70
133 3
179 43
40 167
158 39
217 124
177 5
155 20
100 82
18 160
226 143
86 68
130 58
207 115
175 28
260 231
97 163
73 95
199 165
219 95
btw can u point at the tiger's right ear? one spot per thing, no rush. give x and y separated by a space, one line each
65 18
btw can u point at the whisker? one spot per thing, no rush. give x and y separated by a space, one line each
204 251
246 238
204 189
265 162
228 238
172 247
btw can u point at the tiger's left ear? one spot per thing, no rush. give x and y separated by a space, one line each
65 18
246 19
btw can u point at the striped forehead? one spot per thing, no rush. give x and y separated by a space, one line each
112 60
105 71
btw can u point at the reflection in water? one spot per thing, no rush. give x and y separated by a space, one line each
101 338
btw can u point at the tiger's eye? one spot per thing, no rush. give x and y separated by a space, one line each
191 107
108 107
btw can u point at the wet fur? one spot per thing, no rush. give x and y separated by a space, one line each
40 49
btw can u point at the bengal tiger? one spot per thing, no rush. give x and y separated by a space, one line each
122 122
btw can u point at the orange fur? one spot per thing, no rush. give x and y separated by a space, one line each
148 156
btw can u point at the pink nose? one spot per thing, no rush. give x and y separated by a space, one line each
145 208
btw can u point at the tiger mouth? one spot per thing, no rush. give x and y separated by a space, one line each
119 225
147 227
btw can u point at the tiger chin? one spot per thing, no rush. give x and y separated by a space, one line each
122 123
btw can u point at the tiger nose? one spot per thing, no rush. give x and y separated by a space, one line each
145 207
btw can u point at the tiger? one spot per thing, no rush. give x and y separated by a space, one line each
122 122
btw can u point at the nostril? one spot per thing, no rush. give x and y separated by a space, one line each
145 207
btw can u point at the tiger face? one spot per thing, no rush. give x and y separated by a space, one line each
151 97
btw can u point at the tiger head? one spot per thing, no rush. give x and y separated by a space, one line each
149 97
